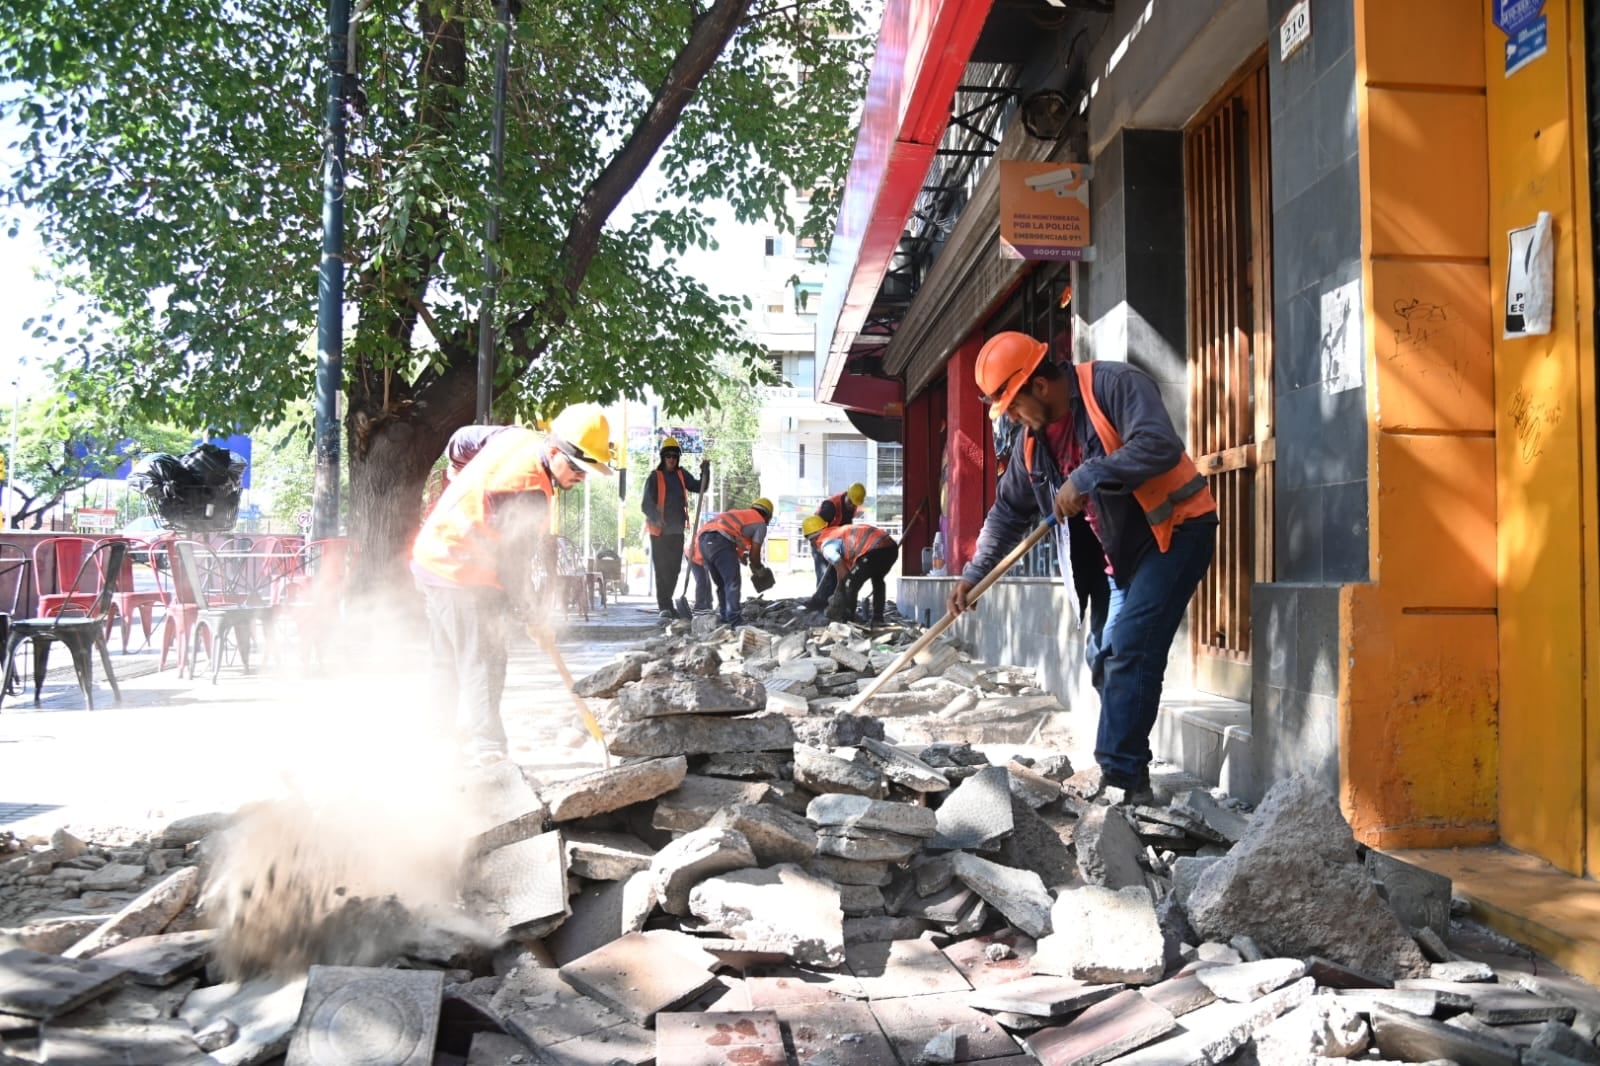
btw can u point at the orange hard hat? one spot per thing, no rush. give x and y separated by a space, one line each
1005 363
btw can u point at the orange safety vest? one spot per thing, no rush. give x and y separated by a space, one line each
838 518
731 525
456 542
660 477
856 540
1168 499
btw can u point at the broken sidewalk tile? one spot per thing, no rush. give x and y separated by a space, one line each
497 1049
992 959
940 908
1420 898
1104 937
1465 971
523 885
781 905
1108 849
1210 820
166 1041
692 858
1030 786
821 772
1101 1033
748 1038
112 877
1019 895
623 1044
867 845
1420 1002
605 856
265 1012
698 735
849 871
898 968
837 1033
162 959
641 974
976 812
860 812
910 1024
36 985
1179 995
1412 1039
611 790
1511 1006
1330 974
364 1014
1216 1032
697 799
679 694
1247 981
1041 996
150 913
600 914
780 985
542 1009
903 768
882 927
775 835
506 808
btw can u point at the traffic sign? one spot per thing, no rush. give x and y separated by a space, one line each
303 519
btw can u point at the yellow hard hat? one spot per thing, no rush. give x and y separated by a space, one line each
583 434
857 493
763 505
671 442
812 525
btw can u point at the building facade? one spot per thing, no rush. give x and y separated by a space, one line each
1318 226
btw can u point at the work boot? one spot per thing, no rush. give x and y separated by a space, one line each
669 616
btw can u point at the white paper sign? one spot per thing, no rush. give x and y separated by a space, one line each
1294 30
1530 279
1340 338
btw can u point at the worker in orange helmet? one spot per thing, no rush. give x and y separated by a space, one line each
1099 443
473 558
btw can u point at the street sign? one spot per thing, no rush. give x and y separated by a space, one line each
1512 15
96 519
303 519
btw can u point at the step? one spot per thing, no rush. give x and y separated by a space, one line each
1209 737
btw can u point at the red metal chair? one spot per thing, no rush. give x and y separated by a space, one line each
185 600
130 600
57 564
312 597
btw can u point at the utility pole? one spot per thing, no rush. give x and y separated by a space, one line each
491 236
330 284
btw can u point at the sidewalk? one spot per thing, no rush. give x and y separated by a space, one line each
174 746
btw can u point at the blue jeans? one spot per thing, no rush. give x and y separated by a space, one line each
702 586
1127 652
723 563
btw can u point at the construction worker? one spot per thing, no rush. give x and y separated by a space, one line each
666 514
837 510
725 541
858 553
474 555
1099 443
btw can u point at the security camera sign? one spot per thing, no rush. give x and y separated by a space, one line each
1044 210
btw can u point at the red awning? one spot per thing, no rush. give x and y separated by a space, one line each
923 49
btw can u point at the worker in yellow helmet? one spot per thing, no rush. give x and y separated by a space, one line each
666 515
837 510
858 553
725 541
473 557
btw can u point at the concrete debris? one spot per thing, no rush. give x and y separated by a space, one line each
1322 1027
775 835
822 772
692 858
1246 981
840 809
697 735
1104 936
902 768
1019 895
1419 898
781 904
698 799
977 812
607 681
611 790
1108 849
672 695
598 855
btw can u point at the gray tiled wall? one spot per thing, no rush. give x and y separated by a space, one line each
1294 699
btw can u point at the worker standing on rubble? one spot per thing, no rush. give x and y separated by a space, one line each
858 553
835 511
1099 443
666 515
725 541
473 559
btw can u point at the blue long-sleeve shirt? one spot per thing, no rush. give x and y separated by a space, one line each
1150 446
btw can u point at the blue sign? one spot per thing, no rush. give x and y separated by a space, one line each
1527 44
1512 15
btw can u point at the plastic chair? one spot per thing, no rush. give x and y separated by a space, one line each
130 600
82 633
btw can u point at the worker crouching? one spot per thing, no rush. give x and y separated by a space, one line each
725 541
856 554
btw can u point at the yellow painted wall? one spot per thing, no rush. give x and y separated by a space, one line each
1543 454
1418 678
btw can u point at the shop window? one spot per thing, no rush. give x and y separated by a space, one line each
802 460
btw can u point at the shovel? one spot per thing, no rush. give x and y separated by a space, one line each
590 723
944 623
681 604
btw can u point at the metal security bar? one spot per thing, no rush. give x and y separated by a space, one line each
1228 188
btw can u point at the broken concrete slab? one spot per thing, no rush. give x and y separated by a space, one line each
112 877
745 765
1103 936
1110 1028
719 1038
164 1041
1216 1032
1186 873
602 913
1108 849
698 799
844 809
976 812
150 913
913 1023
542 1009
692 858
1296 883
497 1049
835 1033
1247 981
1041 842
866 845
701 735
941 908
1420 898
611 790
903 768
1031 787
1179 995
1412 1039
605 856
36 985
363 1014
1562 1040
1421 1002
1323 1027
522 885
1041 996
641 974
162 959
506 807
903 968
1330 974
861 900
881 928
607 681
850 871
263 1011
1464 971
1497 1005
190 829
51 936
1020 895
729 694
780 905
775 835
821 772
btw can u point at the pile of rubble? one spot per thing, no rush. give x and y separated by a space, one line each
768 878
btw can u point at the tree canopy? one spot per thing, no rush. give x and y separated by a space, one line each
174 153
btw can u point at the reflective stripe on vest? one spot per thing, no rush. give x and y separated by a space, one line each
854 540
731 525
1168 499
456 542
661 498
